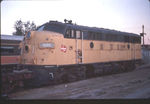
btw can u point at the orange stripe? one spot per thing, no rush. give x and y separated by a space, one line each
9 44
10 59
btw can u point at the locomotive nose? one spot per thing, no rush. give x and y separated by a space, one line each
36 43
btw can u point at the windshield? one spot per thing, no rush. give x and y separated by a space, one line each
52 27
41 28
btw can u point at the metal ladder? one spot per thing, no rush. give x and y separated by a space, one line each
79 56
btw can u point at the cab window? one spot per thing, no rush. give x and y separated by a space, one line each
78 34
68 33
71 33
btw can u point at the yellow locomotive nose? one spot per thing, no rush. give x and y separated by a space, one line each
27 48
40 48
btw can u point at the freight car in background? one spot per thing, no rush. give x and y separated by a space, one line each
63 52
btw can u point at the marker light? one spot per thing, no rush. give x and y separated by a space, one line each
47 45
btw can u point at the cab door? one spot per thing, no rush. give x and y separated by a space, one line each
79 47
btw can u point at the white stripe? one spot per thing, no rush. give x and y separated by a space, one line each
63 48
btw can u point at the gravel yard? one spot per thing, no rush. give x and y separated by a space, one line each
134 84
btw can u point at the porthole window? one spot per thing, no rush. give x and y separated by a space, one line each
91 45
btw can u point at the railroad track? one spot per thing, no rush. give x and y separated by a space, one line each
16 81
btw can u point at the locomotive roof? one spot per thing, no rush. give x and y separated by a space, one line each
64 26
93 29
12 37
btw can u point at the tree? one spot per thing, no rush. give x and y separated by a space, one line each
23 27
18 27
29 26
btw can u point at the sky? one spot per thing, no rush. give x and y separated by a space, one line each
122 15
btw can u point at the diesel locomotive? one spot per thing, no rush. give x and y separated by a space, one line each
63 52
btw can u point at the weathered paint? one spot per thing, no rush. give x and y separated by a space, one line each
112 51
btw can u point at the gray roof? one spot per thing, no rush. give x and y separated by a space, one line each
64 26
11 37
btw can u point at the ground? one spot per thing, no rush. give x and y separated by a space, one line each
134 84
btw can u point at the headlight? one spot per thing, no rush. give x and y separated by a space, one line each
26 48
47 45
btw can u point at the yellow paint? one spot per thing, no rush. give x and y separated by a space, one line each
111 51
